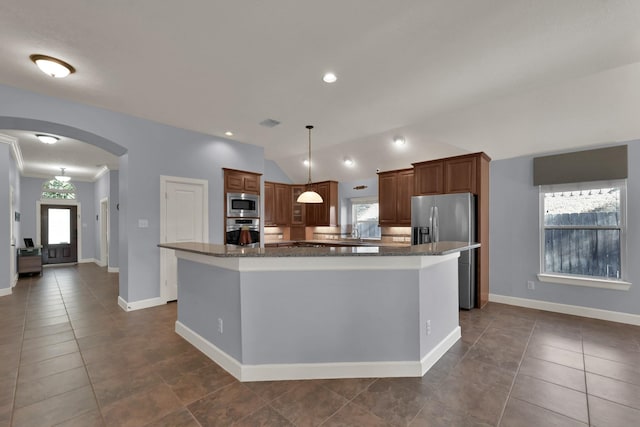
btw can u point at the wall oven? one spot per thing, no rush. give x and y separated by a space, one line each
243 205
243 232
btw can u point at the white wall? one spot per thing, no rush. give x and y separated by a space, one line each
515 240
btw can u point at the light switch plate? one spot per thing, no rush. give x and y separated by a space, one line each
143 223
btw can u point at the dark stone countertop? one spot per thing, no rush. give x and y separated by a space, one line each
216 250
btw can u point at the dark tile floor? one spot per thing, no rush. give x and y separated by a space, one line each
69 356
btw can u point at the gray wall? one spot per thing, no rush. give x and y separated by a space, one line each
515 240
5 160
272 172
346 192
152 150
31 191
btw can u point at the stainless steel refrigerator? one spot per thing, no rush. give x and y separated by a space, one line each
449 217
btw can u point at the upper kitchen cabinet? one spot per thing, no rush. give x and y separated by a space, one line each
429 177
236 181
458 174
297 209
325 213
395 189
277 204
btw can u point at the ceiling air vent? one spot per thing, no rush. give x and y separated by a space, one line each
269 123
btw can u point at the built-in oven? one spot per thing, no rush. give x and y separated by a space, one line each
243 232
243 205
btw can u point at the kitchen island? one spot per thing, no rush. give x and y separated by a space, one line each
319 312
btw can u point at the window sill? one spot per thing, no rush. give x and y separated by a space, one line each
617 285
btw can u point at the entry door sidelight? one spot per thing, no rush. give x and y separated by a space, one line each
59 234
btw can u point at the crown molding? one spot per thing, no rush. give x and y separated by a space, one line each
102 171
15 149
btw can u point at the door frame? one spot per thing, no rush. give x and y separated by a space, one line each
13 275
61 202
104 231
165 253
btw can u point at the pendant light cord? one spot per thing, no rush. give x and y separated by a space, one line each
309 168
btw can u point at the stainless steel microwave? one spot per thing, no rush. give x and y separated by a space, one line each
243 205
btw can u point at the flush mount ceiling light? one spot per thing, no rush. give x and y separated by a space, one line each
348 162
228 133
47 139
62 177
53 67
399 140
329 78
309 196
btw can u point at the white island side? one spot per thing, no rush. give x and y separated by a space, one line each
306 313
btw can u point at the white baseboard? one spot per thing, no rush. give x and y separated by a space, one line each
5 291
139 305
113 270
14 281
443 346
86 260
576 310
308 371
100 264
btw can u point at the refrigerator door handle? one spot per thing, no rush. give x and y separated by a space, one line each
431 230
436 225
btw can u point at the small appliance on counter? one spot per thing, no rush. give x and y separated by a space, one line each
243 232
243 205
449 217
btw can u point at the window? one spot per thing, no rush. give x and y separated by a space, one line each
55 189
364 212
583 233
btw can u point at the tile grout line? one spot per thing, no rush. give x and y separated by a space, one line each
584 368
513 381
84 363
24 328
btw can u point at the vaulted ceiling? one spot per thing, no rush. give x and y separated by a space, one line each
508 77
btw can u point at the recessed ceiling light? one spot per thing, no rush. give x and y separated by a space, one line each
228 133
348 162
329 78
53 67
305 162
47 139
399 140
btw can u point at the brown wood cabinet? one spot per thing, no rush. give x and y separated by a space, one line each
428 178
325 213
297 209
395 189
451 175
468 173
277 204
236 181
269 196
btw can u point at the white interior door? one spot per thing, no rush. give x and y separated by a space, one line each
185 219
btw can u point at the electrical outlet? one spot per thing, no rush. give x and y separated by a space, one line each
531 285
220 329
428 327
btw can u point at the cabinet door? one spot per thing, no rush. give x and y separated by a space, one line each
233 182
429 177
251 183
297 209
311 209
322 209
387 198
269 203
282 210
460 175
404 194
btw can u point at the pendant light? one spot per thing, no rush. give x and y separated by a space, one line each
62 177
309 196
